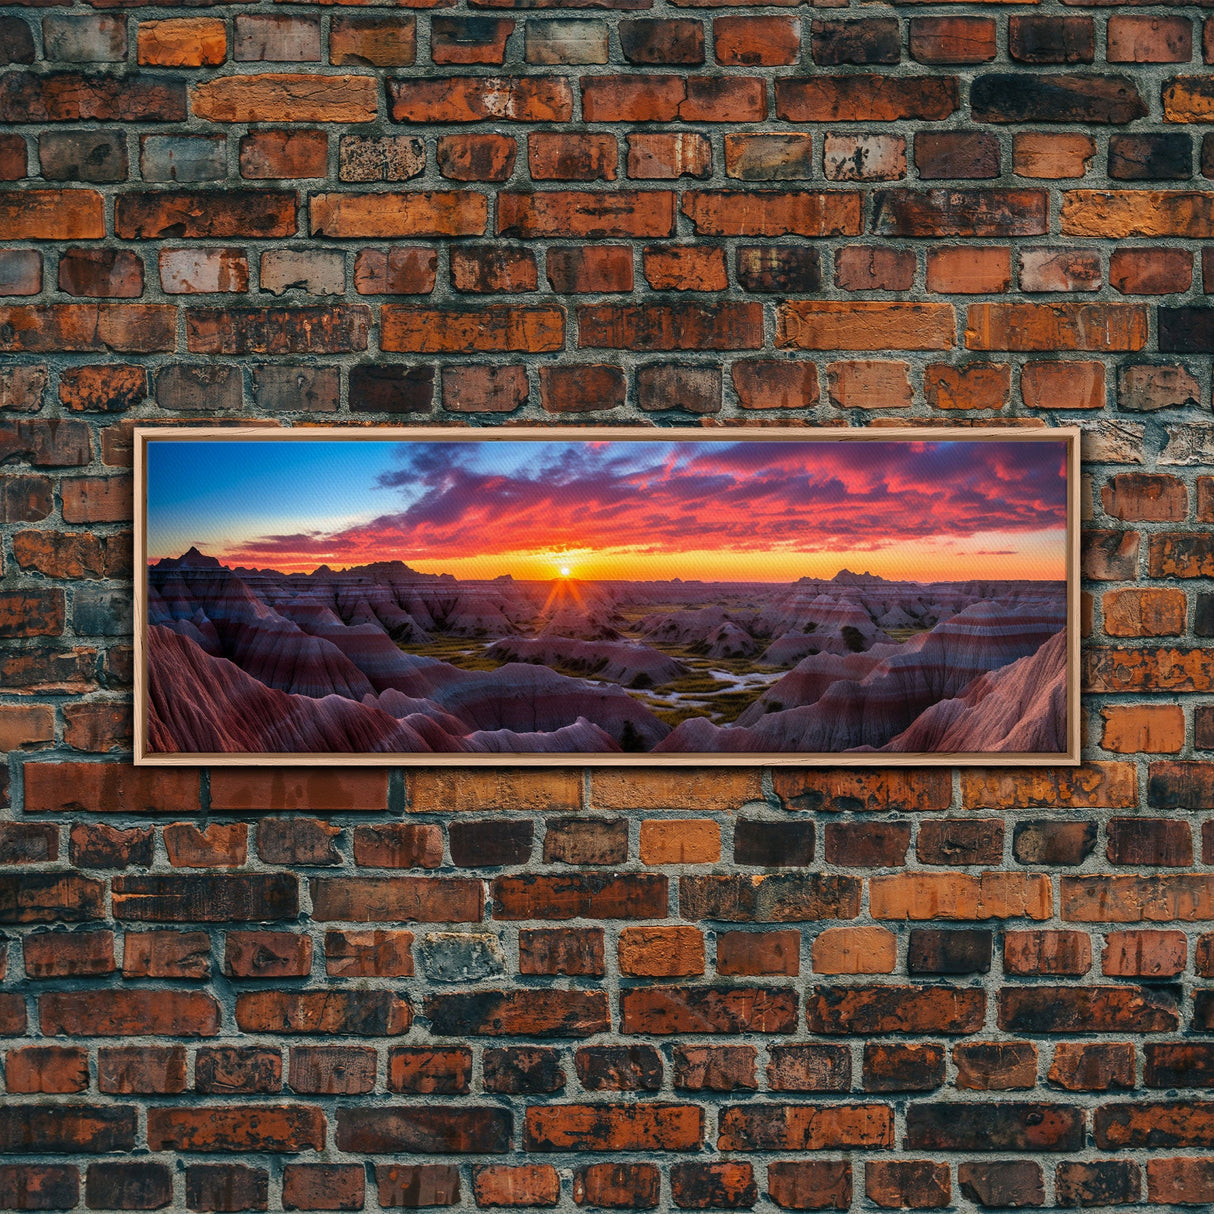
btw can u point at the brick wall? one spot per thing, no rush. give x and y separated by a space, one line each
236 990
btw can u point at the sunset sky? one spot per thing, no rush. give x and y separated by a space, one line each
611 508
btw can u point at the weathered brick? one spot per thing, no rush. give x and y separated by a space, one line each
74 97
570 41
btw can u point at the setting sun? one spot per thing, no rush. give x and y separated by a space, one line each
565 571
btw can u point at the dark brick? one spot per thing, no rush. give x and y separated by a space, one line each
958 951
840 42
1006 1184
1150 157
903 1068
1051 39
1003 1126
1053 842
226 1187
1006 97
130 1185
779 269
490 843
391 388
1186 330
619 1068
773 844
1100 1182
522 1070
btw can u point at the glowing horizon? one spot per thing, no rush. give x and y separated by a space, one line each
610 509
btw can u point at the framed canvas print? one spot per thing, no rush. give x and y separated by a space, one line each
567 595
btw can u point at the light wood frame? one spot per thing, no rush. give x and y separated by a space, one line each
255 433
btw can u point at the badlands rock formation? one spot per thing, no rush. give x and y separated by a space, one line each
257 661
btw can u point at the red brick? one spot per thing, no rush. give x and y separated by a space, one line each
677 326
590 270
248 1127
973 386
266 954
51 215
49 1069
493 268
27 842
964 270
869 384
1149 39
835 790
430 1071
899 1184
685 268
480 98
226 1187
1134 613
128 1013
952 39
621 213
657 42
227 1069
574 951
504 327
469 40
284 154
756 41
956 154
772 213
874 268
810 1185
581 388
516 1013
182 42
375 1013
60 954
318 1186
656 98
379 41
414 1185
804 1127
166 954
101 273
752 954
151 1070
366 954
476 157
503 1185
617 1185
1047 952
613 1127
668 155
1179 1181
557 156
864 97
205 214
995 1066
714 1068
1151 271
105 327
109 788
727 1185
864 325
1143 728
809 1068
298 789
894 1009
775 385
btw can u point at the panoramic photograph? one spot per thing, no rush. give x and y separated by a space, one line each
712 595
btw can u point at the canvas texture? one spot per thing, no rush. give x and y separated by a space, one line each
228 989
